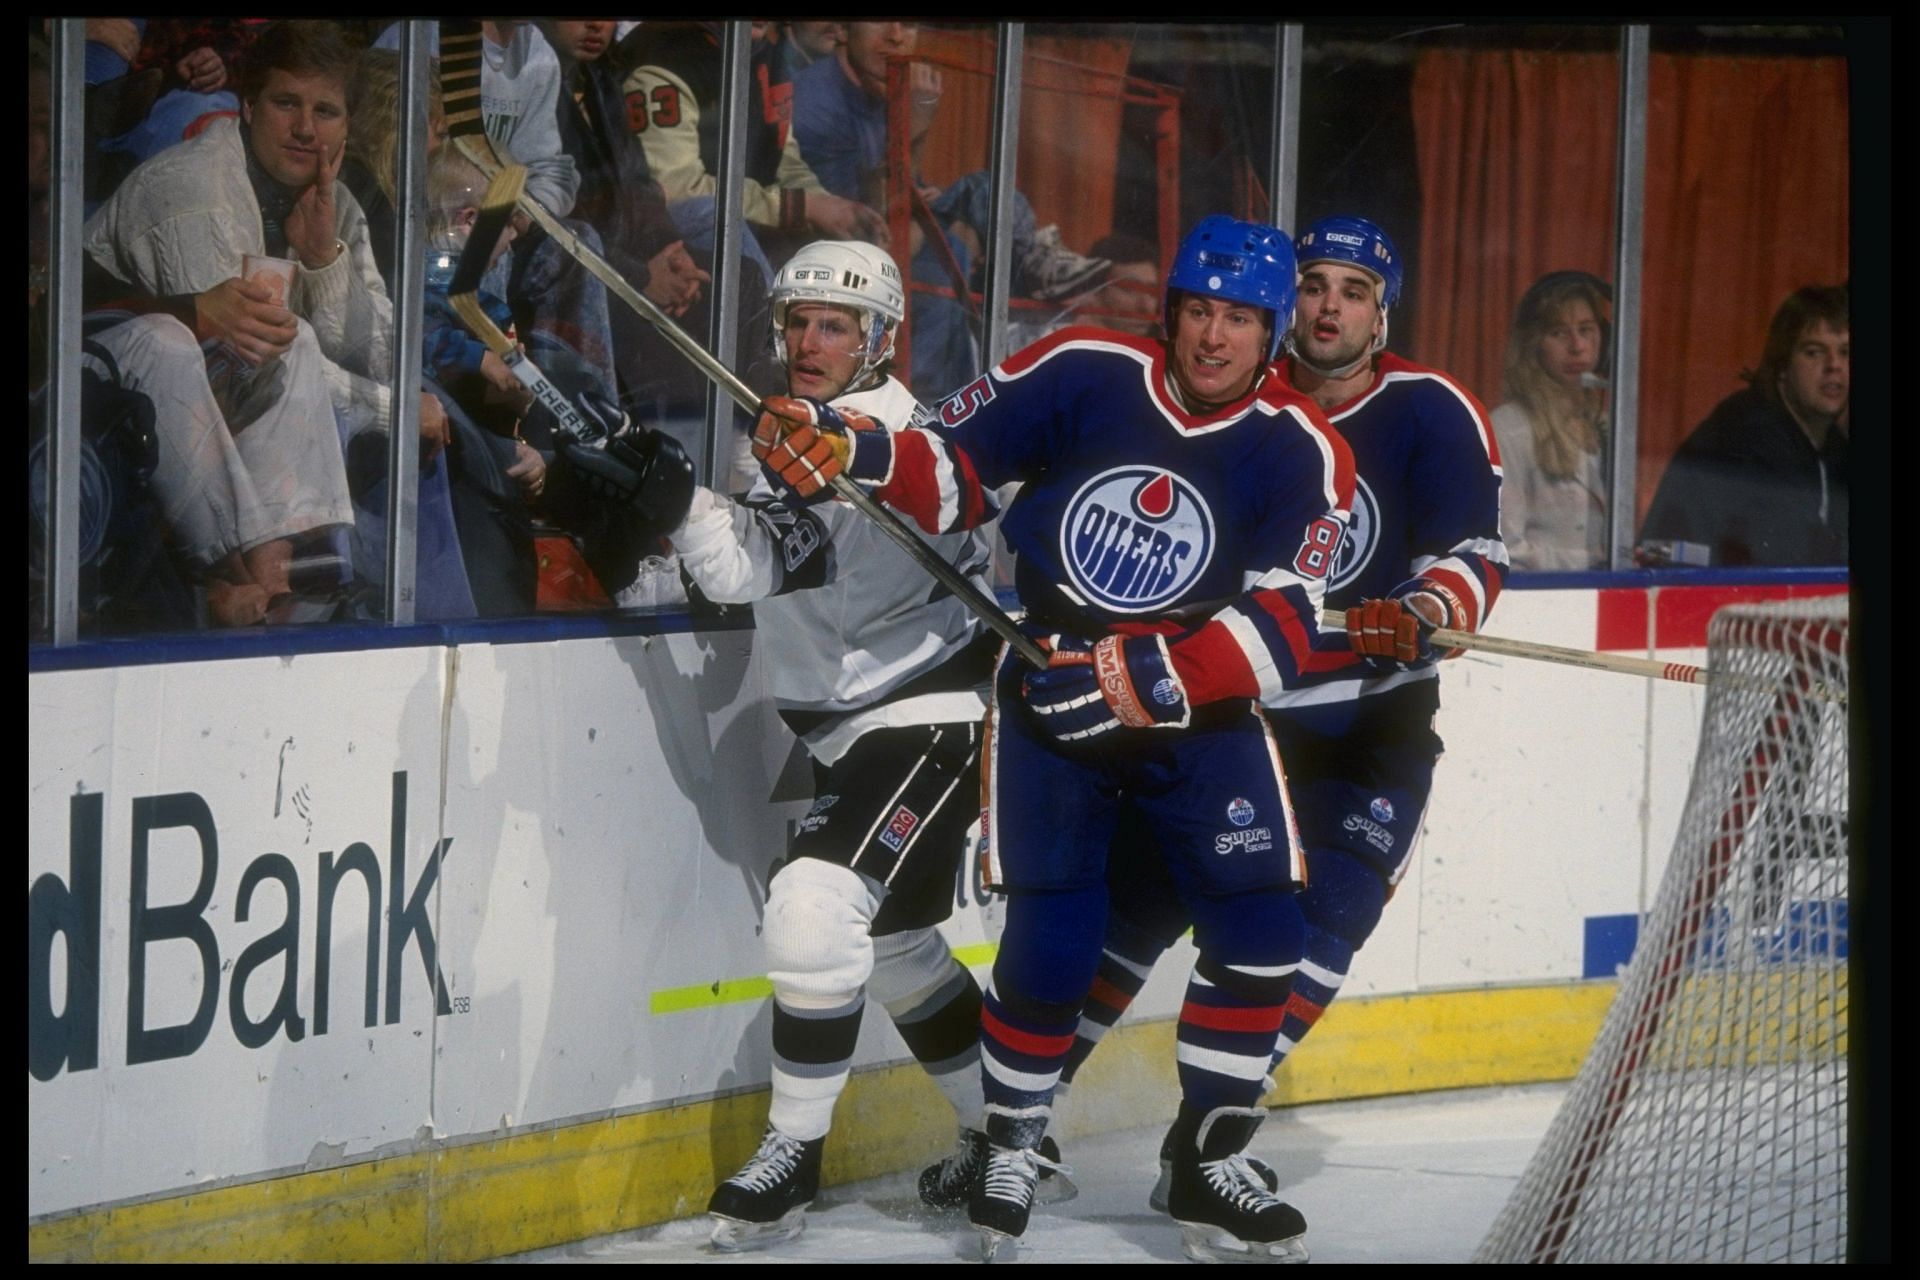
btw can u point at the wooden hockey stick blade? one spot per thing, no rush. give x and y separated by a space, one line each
1592 660
983 606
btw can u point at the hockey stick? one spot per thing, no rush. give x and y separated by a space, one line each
462 296
1649 668
504 192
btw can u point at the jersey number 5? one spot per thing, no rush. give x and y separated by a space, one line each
1317 552
961 404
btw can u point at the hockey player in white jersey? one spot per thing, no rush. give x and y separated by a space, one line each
882 673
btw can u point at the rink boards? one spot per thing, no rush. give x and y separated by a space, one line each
451 950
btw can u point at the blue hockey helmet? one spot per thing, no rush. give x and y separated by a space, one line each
1358 243
1240 261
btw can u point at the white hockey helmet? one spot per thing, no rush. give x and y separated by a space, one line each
845 273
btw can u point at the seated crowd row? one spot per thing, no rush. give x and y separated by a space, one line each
239 257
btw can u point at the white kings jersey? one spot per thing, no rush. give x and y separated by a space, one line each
846 619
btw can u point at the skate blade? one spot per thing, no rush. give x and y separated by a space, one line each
731 1235
1054 1187
996 1246
1157 1198
1204 1242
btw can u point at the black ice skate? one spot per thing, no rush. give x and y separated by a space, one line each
949 1184
766 1202
1003 1195
1182 1131
1225 1210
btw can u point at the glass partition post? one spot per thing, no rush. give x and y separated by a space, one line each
403 442
63 316
1009 58
1283 171
1628 239
729 223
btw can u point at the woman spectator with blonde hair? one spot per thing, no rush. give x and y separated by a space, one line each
1553 428
373 100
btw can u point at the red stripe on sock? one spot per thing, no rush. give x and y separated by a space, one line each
1265 1018
1025 1041
1298 1006
1109 995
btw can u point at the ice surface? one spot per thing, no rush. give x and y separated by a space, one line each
1407 1179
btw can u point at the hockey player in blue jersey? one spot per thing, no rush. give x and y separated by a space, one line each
1181 509
1423 551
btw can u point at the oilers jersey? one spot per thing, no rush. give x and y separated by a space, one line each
1217 529
1426 506
864 637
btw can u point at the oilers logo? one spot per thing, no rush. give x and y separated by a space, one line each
1240 812
1363 536
1381 809
1133 539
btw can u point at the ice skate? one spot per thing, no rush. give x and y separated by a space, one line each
1225 1210
765 1204
1002 1197
948 1183
1157 1198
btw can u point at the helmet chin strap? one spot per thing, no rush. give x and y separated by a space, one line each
1342 371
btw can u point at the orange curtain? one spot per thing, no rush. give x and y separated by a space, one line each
1069 124
1746 201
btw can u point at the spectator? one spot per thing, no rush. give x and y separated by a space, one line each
520 85
373 146
804 43
150 421
559 307
1763 480
177 230
620 199
1553 428
840 118
676 78
197 60
265 186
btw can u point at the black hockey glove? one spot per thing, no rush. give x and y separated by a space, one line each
645 473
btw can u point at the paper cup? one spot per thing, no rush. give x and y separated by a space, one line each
275 273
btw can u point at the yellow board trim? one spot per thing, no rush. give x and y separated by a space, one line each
468 1200
740 990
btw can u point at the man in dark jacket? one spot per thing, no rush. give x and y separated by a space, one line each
1763 481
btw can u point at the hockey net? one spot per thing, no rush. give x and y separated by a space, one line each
1709 1121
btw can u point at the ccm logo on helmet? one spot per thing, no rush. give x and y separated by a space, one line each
1340 237
1135 538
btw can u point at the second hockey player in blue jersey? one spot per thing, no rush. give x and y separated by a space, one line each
1181 511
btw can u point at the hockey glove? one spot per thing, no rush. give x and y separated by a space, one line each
804 444
1116 682
646 473
1396 634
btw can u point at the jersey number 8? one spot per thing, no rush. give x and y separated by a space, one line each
1317 552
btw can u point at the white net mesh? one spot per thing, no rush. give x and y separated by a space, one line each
1709 1122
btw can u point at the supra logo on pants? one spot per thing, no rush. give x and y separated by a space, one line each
1376 835
1252 840
899 827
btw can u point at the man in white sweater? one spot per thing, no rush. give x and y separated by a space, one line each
279 368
